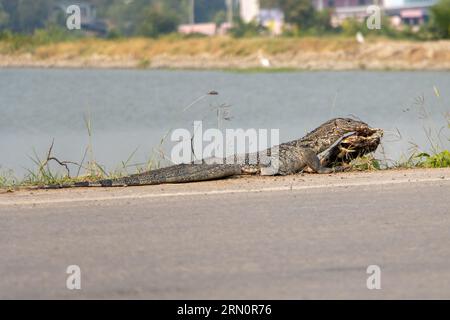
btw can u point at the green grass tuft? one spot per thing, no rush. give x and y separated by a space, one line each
438 160
365 163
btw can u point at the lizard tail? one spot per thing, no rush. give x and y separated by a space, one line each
181 173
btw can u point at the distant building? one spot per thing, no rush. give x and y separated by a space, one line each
408 3
344 9
249 10
272 19
224 28
412 12
323 4
208 29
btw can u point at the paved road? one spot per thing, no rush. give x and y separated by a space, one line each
302 243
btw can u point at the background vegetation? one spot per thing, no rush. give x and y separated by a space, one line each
152 18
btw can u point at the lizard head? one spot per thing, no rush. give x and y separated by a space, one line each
358 138
343 126
338 129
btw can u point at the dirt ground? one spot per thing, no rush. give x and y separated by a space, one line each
242 184
225 53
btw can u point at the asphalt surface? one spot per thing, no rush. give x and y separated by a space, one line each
302 237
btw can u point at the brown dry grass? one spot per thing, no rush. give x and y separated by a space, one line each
334 53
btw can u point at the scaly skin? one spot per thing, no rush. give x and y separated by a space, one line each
287 158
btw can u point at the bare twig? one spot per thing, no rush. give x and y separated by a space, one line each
49 158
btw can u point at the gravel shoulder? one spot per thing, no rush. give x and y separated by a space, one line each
243 184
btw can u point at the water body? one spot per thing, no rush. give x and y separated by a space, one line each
132 109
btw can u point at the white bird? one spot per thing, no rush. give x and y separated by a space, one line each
359 37
265 63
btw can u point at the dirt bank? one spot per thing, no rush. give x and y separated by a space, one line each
228 53
242 184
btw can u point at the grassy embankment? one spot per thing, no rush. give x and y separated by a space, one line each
284 53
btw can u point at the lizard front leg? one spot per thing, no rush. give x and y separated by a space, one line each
291 160
313 162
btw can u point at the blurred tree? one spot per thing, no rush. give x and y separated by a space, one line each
322 21
206 10
125 17
155 21
4 17
146 17
220 17
26 16
441 18
241 29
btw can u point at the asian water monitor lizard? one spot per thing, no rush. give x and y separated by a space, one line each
287 158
